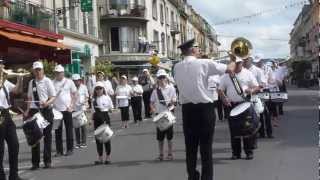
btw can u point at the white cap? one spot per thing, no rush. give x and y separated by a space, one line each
76 77
238 60
99 84
37 65
162 72
135 78
59 68
145 70
124 76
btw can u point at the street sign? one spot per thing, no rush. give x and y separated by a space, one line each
86 6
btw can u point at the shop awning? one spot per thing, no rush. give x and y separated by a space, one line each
30 39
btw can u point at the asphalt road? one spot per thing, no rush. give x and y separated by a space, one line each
292 155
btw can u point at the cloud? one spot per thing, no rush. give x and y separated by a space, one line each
259 30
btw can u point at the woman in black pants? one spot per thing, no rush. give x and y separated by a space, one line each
102 103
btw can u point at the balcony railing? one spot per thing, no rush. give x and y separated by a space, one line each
76 26
125 47
27 13
122 10
174 28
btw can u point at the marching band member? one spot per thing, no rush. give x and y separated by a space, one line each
273 87
64 102
265 118
191 77
82 97
136 100
147 83
163 97
102 103
249 85
282 73
41 95
213 83
107 84
124 90
8 131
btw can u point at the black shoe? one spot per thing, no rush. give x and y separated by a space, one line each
98 162
69 153
34 167
249 157
47 166
262 136
17 178
235 157
270 136
58 155
107 162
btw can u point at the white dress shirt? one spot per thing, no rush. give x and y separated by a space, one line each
64 89
137 90
123 90
191 77
81 96
45 89
213 83
104 103
3 99
169 94
246 80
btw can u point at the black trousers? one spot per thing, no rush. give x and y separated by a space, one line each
81 135
146 101
198 128
67 119
48 115
219 106
265 120
8 133
136 104
100 118
236 141
124 113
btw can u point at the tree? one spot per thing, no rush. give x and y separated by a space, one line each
103 66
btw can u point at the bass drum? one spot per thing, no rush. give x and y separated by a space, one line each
33 127
244 121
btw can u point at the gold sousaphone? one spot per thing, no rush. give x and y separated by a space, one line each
8 73
241 47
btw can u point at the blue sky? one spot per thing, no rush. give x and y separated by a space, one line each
273 25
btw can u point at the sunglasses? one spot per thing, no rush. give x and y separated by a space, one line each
161 77
99 88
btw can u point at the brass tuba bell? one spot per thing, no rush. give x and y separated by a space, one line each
8 73
241 47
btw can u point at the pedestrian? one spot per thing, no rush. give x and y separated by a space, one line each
163 97
136 100
123 94
8 131
115 83
90 82
273 87
147 83
41 95
64 102
191 77
81 97
102 103
248 85
107 84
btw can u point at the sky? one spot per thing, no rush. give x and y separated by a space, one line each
275 25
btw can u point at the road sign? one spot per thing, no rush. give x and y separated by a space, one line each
86 6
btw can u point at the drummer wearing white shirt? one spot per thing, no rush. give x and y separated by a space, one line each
65 100
136 100
41 95
101 104
213 83
82 96
123 94
191 77
163 97
249 85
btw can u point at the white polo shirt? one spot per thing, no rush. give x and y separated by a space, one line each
45 90
191 77
246 80
104 103
123 90
169 94
213 83
81 96
3 99
137 89
259 75
64 89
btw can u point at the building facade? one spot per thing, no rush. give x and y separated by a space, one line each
305 36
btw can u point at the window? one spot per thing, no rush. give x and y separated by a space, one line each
172 18
163 43
154 10
156 39
167 16
161 14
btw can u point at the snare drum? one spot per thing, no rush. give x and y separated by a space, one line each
103 133
279 97
32 129
264 96
164 120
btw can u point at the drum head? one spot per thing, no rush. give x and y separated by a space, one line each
100 129
240 109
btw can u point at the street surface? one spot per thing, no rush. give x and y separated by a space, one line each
292 155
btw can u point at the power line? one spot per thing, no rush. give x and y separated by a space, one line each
268 39
259 14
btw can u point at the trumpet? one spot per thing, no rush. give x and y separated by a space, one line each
8 73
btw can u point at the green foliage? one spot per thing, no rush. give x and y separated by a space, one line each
104 66
48 67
